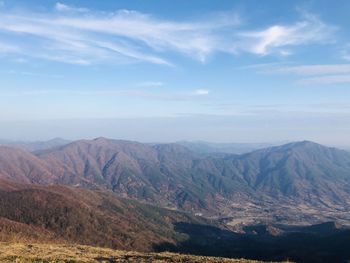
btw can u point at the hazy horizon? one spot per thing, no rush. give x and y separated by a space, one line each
218 130
112 129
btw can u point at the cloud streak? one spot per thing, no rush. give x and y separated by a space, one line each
197 94
318 74
313 69
151 84
281 38
81 36
6 48
326 80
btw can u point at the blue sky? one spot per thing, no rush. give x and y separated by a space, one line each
234 71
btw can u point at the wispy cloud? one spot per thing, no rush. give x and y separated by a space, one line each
318 74
67 8
6 48
311 69
136 93
81 36
281 38
151 84
201 92
89 37
326 80
31 74
55 41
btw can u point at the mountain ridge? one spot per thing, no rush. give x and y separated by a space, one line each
170 175
33 146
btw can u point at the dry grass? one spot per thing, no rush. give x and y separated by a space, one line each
30 253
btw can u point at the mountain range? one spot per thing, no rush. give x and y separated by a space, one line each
304 178
274 203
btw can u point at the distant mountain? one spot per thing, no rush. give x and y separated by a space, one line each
203 147
301 181
303 170
36 145
21 166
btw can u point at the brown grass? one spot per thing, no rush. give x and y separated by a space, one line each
46 253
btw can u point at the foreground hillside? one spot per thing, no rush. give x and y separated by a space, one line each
67 215
62 214
11 252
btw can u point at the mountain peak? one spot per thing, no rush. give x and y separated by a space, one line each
307 143
101 139
302 144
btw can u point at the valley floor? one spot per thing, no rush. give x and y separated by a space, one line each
26 253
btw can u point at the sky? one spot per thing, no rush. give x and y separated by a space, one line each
221 71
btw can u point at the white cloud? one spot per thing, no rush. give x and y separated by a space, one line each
66 8
61 7
57 42
121 36
278 38
201 92
196 39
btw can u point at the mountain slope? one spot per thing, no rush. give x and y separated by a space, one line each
63 214
209 148
21 166
303 171
163 174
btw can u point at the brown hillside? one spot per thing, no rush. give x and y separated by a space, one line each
31 212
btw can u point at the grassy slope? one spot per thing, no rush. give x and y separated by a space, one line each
15 252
